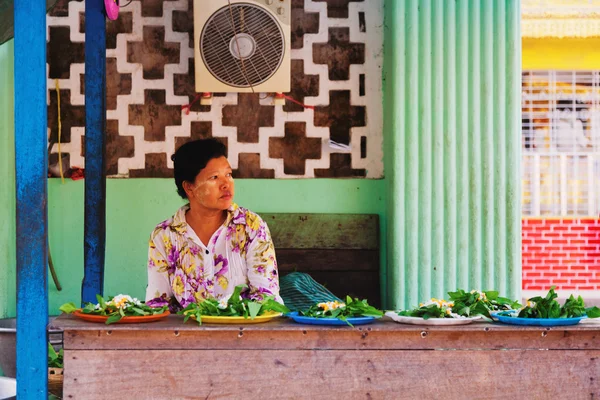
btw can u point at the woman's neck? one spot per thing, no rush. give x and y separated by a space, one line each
204 222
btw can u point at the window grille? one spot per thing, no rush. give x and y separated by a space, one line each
561 143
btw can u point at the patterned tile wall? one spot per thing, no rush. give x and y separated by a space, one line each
337 55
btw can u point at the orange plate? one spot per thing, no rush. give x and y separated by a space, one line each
124 320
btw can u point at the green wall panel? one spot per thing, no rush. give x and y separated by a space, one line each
7 179
135 206
452 113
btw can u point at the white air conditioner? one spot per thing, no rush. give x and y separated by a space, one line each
242 45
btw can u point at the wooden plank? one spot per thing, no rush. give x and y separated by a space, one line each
95 121
324 231
309 260
284 334
262 374
70 323
343 338
31 162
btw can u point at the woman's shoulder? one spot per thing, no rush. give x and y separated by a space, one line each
161 228
244 216
171 224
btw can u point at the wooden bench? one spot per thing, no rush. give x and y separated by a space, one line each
340 251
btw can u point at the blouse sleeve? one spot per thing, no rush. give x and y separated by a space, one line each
263 277
159 287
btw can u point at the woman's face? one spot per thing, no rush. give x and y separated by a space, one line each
213 187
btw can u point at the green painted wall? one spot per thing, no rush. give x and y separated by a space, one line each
135 206
453 73
7 179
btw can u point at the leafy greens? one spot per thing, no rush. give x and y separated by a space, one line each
234 306
115 308
55 360
548 307
462 304
352 308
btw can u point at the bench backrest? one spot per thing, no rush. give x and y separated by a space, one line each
340 251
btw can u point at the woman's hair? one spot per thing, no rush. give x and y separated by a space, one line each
191 157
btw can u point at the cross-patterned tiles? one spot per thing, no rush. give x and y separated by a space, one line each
337 48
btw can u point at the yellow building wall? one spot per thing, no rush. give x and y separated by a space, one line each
561 54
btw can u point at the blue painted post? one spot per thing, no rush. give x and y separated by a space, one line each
95 183
31 161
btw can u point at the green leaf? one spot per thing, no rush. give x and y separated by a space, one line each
235 296
114 318
593 312
254 309
89 308
101 301
55 360
68 308
139 311
459 294
272 305
491 294
51 352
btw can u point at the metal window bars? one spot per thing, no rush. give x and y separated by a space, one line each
561 143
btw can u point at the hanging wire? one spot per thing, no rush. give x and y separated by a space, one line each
130 1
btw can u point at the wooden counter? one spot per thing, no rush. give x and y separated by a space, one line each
275 360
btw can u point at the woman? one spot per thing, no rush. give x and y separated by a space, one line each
210 245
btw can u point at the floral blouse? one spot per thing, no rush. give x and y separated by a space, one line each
182 268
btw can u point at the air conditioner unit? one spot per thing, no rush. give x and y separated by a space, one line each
242 45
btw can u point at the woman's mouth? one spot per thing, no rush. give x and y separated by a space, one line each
226 196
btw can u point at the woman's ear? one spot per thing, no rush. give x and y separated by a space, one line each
188 187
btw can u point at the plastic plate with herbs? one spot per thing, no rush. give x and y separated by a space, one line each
219 319
431 321
329 321
133 319
509 317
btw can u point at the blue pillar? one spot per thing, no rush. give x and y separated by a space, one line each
95 183
31 160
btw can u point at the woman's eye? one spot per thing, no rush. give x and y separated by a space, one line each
229 174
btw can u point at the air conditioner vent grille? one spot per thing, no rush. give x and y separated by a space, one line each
259 41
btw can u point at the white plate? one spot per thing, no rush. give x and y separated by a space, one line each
431 321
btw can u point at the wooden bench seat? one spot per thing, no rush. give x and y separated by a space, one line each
340 251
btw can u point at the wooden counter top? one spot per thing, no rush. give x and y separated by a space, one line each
283 359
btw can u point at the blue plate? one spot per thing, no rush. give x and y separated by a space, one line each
505 317
329 321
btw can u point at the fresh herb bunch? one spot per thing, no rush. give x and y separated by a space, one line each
462 304
334 309
234 306
548 307
476 302
434 308
115 308
55 360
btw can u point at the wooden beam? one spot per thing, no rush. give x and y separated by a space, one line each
315 374
283 334
95 182
31 163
